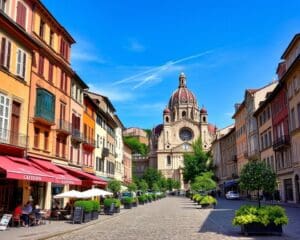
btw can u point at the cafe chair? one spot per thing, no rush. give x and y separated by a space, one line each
16 220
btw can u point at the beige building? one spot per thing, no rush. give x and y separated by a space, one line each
183 123
139 133
291 57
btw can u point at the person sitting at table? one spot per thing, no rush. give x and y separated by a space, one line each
17 214
37 214
27 209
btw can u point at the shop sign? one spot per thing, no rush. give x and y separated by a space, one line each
4 221
32 178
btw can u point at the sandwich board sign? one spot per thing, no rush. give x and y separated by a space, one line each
4 221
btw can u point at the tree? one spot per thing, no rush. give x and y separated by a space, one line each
114 186
170 184
176 184
204 182
197 162
257 176
132 187
162 184
152 176
136 146
143 186
155 187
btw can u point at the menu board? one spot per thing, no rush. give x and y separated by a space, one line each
4 221
77 215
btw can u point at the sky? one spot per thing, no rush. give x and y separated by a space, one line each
133 51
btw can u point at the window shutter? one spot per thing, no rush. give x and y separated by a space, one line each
18 62
8 54
24 65
66 83
50 72
19 13
2 56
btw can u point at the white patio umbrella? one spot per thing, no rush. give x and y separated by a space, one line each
70 194
96 192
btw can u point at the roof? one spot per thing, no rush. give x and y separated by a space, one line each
157 130
63 30
109 103
290 46
119 121
239 109
81 82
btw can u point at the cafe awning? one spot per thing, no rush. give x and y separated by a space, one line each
60 176
22 169
86 178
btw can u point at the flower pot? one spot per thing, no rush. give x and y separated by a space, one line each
134 204
87 216
259 228
117 209
127 205
95 215
109 210
141 203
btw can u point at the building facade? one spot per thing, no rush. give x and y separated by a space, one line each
139 133
183 123
127 164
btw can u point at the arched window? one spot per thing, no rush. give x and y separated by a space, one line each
167 119
183 114
204 119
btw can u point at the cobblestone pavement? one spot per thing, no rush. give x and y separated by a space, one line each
172 218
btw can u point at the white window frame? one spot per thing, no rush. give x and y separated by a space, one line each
5 117
4 3
20 63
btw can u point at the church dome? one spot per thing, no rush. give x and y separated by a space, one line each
203 110
182 95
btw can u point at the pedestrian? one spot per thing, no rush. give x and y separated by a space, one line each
26 211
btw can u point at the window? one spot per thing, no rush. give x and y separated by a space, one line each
21 63
51 40
298 114
184 114
64 49
21 14
46 141
293 122
3 5
57 147
36 137
168 160
50 75
42 29
4 117
45 105
98 137
5 53
63 81
41 65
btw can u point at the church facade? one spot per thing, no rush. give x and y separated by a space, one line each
183 123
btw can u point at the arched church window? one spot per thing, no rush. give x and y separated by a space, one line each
183 114
167 119
204 119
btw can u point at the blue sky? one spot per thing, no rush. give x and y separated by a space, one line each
133 51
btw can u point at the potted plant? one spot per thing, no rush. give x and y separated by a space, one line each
257 176
127 201
260 220
87 207
109 206
142 199
117 203
96 209
149 197
207 201
114 186
134 202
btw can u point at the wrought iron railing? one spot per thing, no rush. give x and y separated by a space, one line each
13 138
281 142
63 125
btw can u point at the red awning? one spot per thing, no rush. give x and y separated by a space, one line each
60 176
20 168
86 178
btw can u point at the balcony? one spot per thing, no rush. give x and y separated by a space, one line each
77 136
63 126
13 138
89 143
42 115
281 143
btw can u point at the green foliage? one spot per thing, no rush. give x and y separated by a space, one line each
108 202
264 215
117 202
148 131
207 200
136 146
85 204
149 197
172 184
143 186
197 198
197 162
142 198
256 175
96 205
132 187
114 186
152 176
204 182
155 187
127 200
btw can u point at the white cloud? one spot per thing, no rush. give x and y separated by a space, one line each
155 73
114 94
135 46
